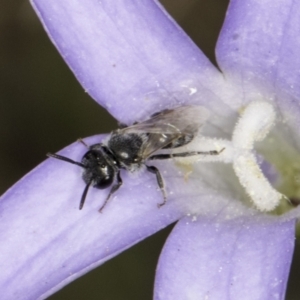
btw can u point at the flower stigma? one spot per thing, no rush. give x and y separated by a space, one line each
254 125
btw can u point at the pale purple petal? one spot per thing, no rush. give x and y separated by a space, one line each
131 57
259 42
244 258
134 60
258 53
48 242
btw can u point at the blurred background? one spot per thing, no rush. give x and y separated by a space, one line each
43 109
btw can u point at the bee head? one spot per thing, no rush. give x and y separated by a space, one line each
98 170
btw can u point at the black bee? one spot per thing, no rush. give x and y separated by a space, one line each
132 147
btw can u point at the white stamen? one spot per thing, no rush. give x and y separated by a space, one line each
254 124
263 195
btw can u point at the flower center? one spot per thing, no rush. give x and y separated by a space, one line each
255 123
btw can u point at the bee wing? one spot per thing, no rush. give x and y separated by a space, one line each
182 120
166 126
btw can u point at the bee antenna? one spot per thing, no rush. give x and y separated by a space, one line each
85 191
66 159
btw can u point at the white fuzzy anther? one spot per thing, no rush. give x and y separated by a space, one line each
254 125
257 186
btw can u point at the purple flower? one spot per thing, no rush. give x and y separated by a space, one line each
134 60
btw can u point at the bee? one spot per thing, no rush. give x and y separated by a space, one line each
135 146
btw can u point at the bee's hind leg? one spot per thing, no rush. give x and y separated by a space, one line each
185 154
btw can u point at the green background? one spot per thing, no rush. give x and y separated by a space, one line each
43 109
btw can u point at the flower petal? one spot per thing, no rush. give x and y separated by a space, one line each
130 57
258 43
243 258
48 242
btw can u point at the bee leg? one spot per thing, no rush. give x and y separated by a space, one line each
160 183
80 140
114 188
83 197
185 154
